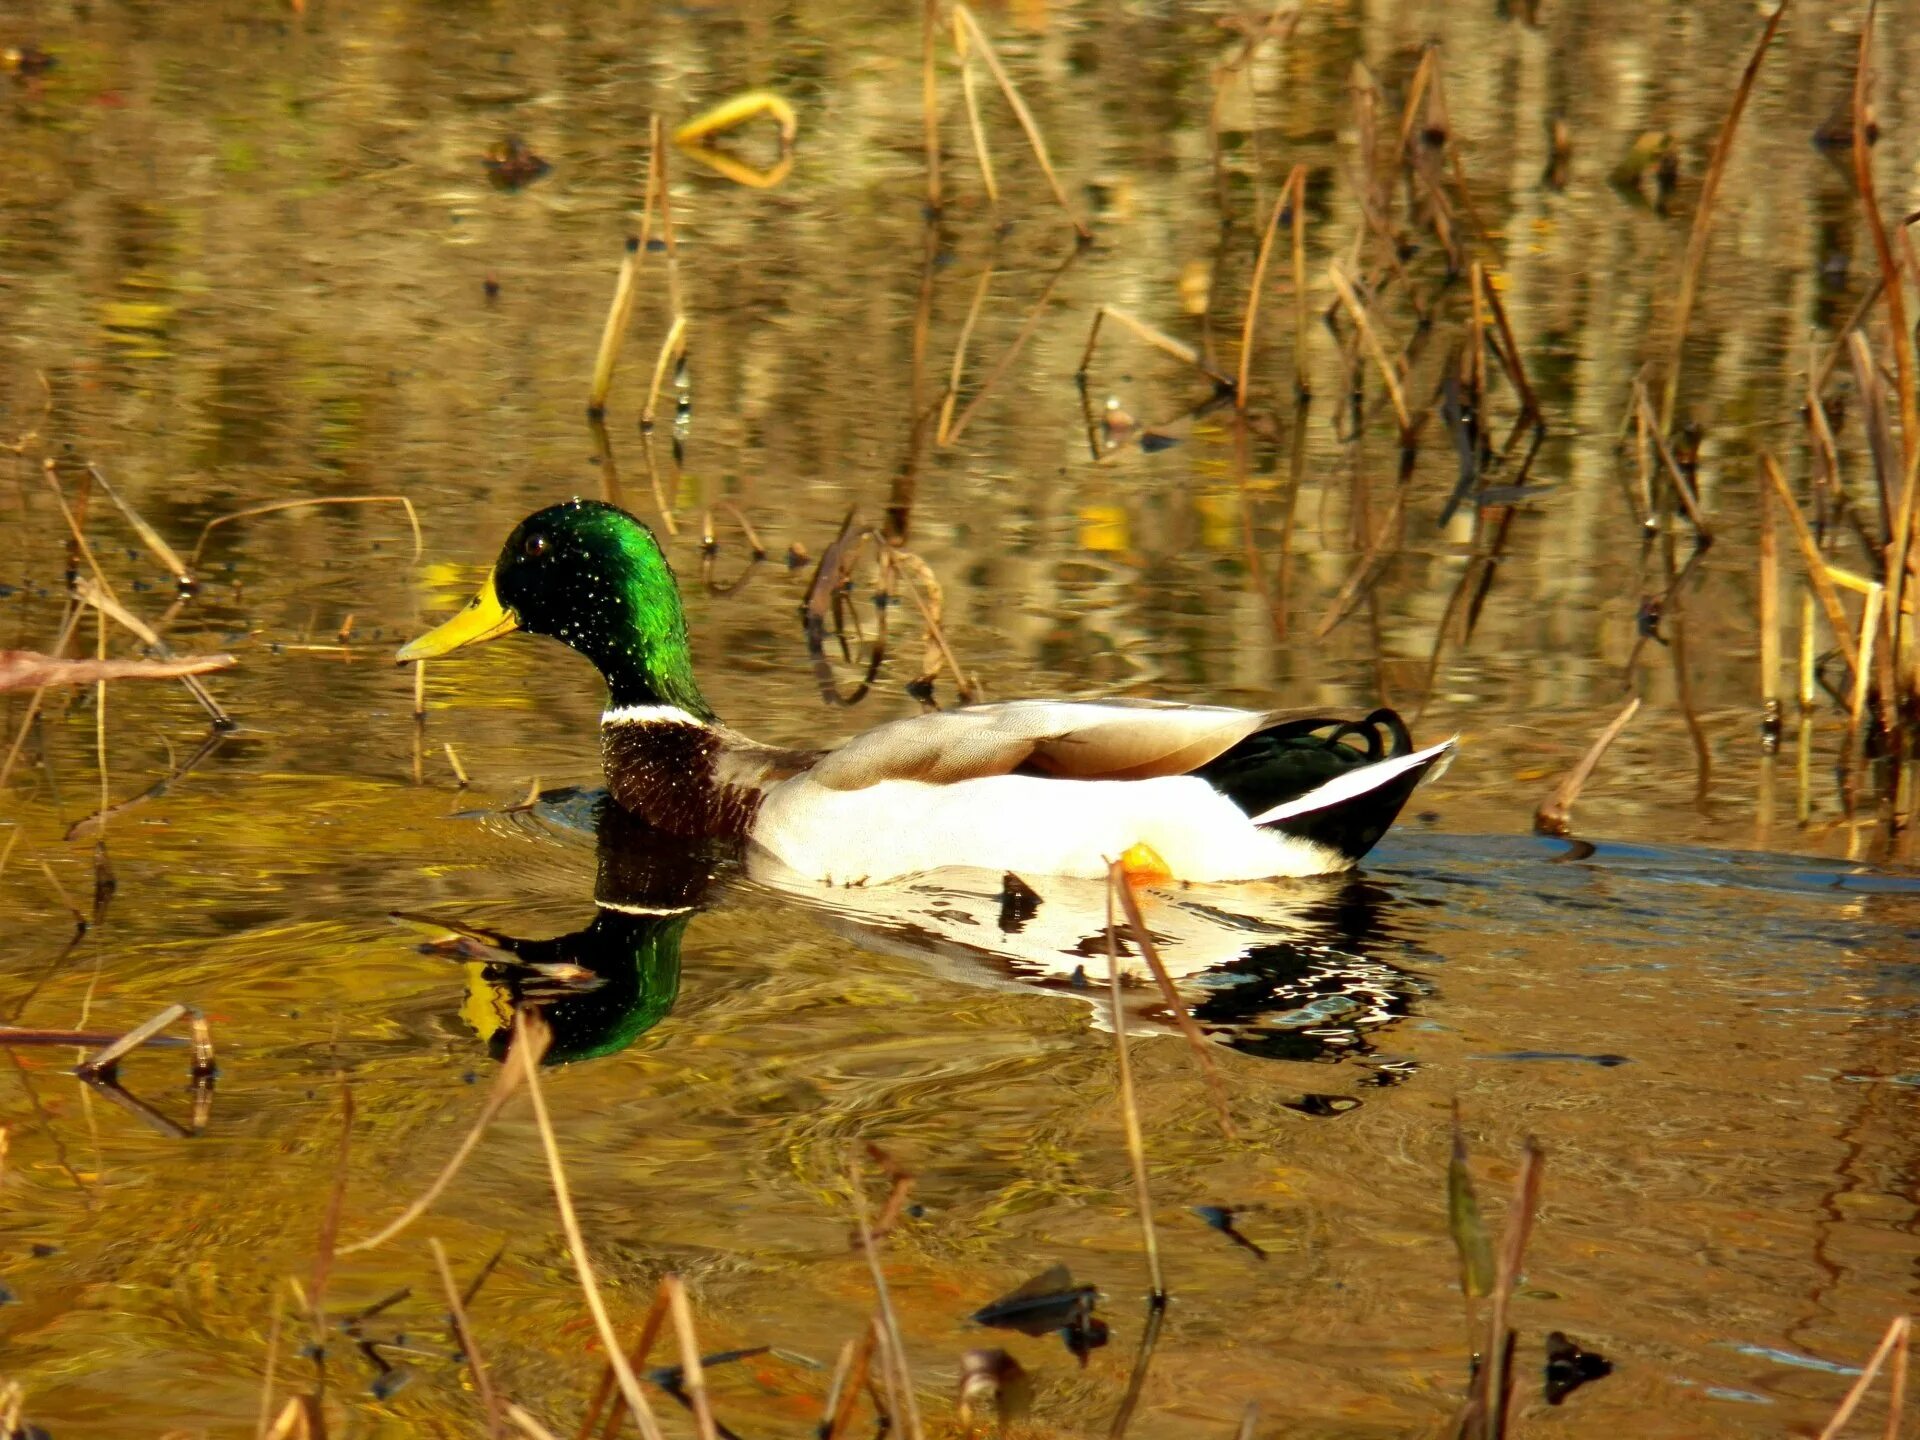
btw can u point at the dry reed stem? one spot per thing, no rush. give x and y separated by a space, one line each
1159 339
30 670
974 126
1344 288
693 1378
1903 351
131 1041
930 98
1129 1109
149 536
265 1419
68 622
504 1084
1249 1417
463 1332
1034 139
671 349
1511 361
1291 194
99 593
614 331
1513 1249
1137 1375
637 1358
1896 1339
943 431
1655 435
663 196
841 1400
733 113
275 506
1555 815
294 1422
894 1358
530 1021
1381 548
1702 230
324 1248
1196 1042
1862 677
1814 563
1018 344
529 1426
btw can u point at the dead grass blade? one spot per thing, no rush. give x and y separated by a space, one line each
1555 815
1702 231
963 15
504 1084
530 1021
1196 1042
1130 1111
1895 1343
276 506
850 1378
463 1332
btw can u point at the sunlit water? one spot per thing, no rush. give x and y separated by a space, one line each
247 249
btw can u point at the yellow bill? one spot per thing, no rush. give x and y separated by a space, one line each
483 618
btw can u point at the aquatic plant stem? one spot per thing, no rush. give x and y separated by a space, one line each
504 1084
1196 1042
894 1358
1129 1108
463 1332
529 1020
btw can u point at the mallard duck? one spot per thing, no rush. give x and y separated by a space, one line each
1044 787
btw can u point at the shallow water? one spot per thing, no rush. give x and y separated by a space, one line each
247 251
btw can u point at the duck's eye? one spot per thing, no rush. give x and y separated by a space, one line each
534 546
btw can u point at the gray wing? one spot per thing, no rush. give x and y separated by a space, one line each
1072 739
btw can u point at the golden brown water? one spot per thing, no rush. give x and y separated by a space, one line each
249 251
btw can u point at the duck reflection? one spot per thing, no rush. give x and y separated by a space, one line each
602 987
1292 971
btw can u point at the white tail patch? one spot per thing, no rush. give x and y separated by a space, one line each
1355 783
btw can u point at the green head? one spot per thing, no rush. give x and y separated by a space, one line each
592 577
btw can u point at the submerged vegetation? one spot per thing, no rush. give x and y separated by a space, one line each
1380 472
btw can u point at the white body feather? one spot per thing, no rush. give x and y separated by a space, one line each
1028 824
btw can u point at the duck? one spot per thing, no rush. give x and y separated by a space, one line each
1171 791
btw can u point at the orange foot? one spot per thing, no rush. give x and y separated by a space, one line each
1142 865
